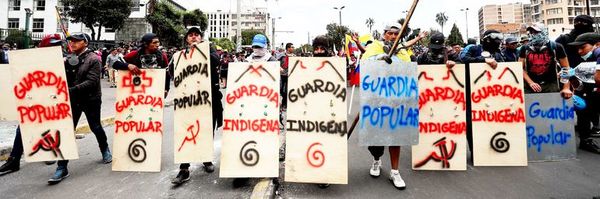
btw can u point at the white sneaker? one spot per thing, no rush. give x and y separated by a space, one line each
397 180
375 168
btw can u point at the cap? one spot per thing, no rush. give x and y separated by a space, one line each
194 29
584 18
80 36
510 40
538 27
586 38
392 25
259 40
147 38
436 41
50 40
524 38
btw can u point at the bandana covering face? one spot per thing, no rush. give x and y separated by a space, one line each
540 38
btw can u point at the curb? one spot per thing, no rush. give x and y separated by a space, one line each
264 189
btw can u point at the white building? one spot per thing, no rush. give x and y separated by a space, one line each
224 24
44 18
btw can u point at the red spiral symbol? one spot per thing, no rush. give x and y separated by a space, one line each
316 158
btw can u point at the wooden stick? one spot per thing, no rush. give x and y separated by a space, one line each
404 27
353 125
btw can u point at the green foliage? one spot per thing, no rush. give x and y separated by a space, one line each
168 24
195 18
18 37
370 22
336 35
104 13
441 18
247 36
224 43
306 48
455 37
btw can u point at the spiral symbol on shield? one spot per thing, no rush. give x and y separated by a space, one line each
500 145
249 156
137 152
315 157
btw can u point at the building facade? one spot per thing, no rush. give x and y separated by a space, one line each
507 18
44 20
558 15
224 24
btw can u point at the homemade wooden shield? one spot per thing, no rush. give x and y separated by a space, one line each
193 107
550 127
40 90
498 115
8 105
442 119
139 121
389 95
251 121
316 140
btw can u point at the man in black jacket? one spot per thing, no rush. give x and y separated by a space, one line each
582 24
83 71
194 35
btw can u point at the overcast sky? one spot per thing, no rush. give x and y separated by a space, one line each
311 16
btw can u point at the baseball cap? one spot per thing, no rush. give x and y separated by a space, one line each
538 27
392 25
80 36
524 38
586 38
510 40
437 41
259 40
194 29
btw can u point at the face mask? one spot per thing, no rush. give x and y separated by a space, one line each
586 56
259 52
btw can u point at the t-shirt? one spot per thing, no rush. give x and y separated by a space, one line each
541 66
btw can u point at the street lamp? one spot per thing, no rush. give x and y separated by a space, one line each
340 9
273 35
28 13
466 21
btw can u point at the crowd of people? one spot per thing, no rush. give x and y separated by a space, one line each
549 66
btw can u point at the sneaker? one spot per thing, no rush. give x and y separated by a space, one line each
591 145
323 186
375 168
209 167
397 180
60 174
106 156
11 165
182 177
49 162
240 182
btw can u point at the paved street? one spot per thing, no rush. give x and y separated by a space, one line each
578 178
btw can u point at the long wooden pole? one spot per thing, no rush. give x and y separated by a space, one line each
404 27
402 30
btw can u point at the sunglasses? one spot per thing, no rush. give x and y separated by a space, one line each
495 36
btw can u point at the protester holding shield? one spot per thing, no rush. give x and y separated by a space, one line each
193 36
83 70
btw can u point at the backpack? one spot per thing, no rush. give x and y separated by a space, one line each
466 49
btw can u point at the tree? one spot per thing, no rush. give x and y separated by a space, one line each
425 41
376 35
455 37
306 48
370 22
105 13
224 43
195 18
248 35
441 19
167 23
336 35
18 37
